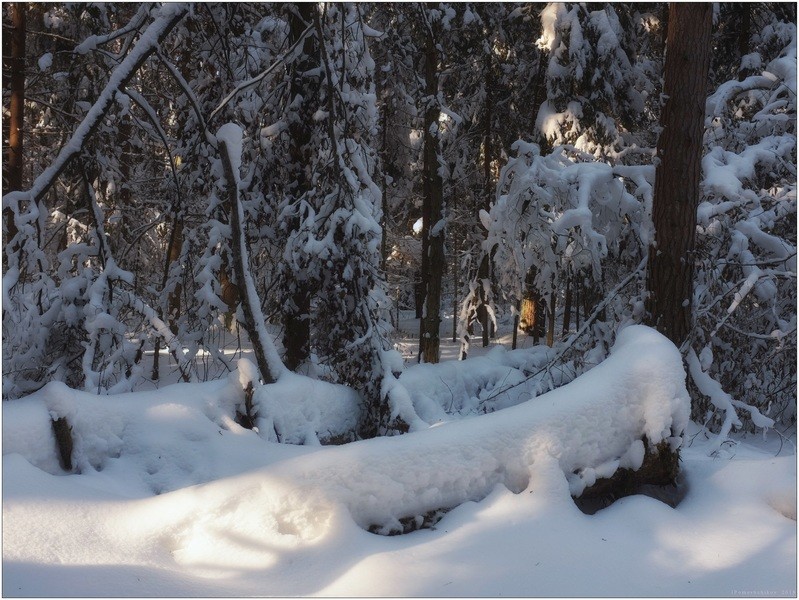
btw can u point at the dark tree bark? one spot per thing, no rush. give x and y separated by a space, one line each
297 316
432 213
15 67
567 307
745 30
671 261
483 273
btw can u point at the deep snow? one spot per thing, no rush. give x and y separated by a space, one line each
174 499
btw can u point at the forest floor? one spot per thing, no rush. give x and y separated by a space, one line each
170 503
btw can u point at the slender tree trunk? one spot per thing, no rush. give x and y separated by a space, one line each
483 274
532 313
744 31
265 356
677 175
16 121
455 284
553 298
432 214
567 306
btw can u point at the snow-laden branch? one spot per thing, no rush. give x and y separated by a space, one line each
91 42
177 351
271 366
169 15
190 95
722 401
260 77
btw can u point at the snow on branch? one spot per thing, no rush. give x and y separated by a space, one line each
260 77
91 42
168 16
177 351
230 138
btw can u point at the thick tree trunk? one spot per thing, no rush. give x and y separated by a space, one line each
432 215
297 315
677 175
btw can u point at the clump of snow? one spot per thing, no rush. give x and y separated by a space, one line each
233 137
45 61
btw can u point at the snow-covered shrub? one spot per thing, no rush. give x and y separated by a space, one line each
745 295
569 217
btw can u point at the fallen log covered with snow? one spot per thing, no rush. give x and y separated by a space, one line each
590 429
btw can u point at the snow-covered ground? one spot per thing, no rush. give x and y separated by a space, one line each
174 499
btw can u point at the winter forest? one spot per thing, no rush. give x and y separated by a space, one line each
303 299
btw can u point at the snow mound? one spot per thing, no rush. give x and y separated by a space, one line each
182 436
597 422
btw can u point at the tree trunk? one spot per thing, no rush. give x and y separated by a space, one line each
744 31
677 175
567 306
483 273
15 65
265 355
532 315
297 315
551 318
432 214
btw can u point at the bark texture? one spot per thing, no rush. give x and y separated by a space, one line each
15 72
432 214
296 317
671 261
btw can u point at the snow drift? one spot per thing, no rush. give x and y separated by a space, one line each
585 429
